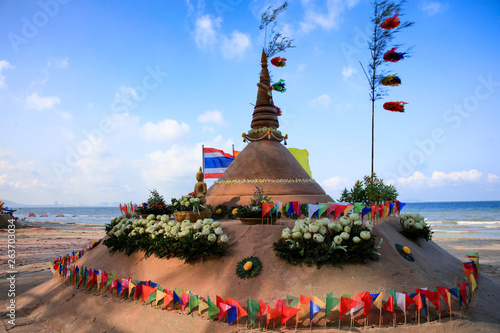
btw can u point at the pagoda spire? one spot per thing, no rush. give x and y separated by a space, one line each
265 114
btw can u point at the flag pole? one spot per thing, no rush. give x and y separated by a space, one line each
203 157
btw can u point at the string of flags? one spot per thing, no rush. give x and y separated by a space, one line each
231 310
374 211
128 208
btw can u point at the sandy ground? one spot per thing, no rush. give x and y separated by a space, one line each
38 245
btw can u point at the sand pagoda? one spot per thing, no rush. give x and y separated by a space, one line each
265 161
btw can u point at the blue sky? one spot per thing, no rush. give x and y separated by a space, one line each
103 100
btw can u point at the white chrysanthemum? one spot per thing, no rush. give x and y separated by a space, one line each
344 220
318 238
344 235
358 222
218 231
208 221
354 217
197 235
331 225
365 235
313 228
303 228
356 239
347 229
299 222
419 226
369 225
338 228
307 220
158 217
186 222
151 217
216 224
324 221
337 240
322 230
205 231
224 239
164 218
184 233
212 238
307 235
197 226
171 223
296 235
141 231
286 233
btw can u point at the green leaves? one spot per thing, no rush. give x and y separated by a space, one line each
370 189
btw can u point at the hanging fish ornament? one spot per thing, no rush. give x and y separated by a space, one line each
393 56
395 106
278 62
391 22
279 86
391 80
278 110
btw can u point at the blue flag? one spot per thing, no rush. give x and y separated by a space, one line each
365 211
374 296
314 308
119 287
232 313
401 205
152 284
177 299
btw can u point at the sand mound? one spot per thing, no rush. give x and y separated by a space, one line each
433 267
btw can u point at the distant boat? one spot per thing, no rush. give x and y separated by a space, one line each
44 215
73 215
60 215
31 215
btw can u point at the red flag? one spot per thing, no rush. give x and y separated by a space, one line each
339 209
91 278
271 314
463 292
169 297
266 208
304 300
296 208
330 209
279 303
367 299
433 297
444 292
223 307
288 313
262 309
418 301
240 312
104 279
185 300
409 301
147 291
347 304
389 305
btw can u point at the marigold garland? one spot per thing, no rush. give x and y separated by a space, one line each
248 267
265 180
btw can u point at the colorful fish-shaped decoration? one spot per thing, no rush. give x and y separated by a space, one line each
391 22
278 110
393 56
279 86
278 62
395 106
391 80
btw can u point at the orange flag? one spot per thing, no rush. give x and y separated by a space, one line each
147 291
240 312
288 313
169 297
271 314
266 208
389 305
262 309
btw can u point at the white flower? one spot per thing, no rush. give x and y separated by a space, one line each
344 235
307 220
205 231
184 233
176 203
419 226
158 217
344 220
313 228
216 224
331 225
303 228
322 230
338 228
171 223
358 222
186 222
224 239
324 221
141 231
296 235
356 239
191 200
197 235
197 226
299 222
347 229
365 235
286 233
212 238
318 238
218 231
369 225
150 217
354 217
307 235
164 218
337 240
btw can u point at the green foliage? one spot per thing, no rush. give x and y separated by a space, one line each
154 205
413 226
278 42
317 246
370 189
166 239
242 273
219 212
155 198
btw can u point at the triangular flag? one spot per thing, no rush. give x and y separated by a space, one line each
279 304
331 302
146 292
322 209
159 297
291 301
240 311
193 302
185 300
232 313
330 209
339 209
212 308
271 314
313 308
253 310
377 300
389 305
346 304
311 209
358 206
222 306
266 208
287 313
201 306
262 309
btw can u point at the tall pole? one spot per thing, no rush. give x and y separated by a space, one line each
203 157
373 131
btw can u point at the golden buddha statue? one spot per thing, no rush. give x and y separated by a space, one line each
200 189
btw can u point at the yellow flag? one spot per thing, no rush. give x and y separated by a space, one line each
319 302
159 296
131 285
378 301
201 306
99 279
473 281
349 207
302 156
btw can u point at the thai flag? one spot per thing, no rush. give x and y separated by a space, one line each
216 162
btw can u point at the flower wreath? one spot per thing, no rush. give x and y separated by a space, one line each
405 252
248 267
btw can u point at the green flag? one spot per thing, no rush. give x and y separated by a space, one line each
253 310
331 302
193 302
323 208
394 298
291 301
358 206
85 277
212 308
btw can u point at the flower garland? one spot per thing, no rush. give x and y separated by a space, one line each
263 129
264 180
248 267
270 134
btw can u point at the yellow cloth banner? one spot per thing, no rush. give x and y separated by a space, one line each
302 156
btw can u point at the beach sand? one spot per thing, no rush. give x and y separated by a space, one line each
37 245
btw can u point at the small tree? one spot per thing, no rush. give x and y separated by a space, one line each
278 42
370 189
155 198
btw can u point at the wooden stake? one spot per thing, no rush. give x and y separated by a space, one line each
380 319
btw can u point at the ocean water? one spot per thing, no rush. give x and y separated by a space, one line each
467 219
82 215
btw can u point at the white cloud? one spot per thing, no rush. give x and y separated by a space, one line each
4 64
434 7
348 71
211 117
236 46
205 33
37 102
439 179
167 129
61 63
325 18
337 183
493 178
322 101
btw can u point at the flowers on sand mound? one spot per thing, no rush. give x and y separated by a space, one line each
158 236
248 267
254 208
189 202
326 242
219 212
413 226
405 252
